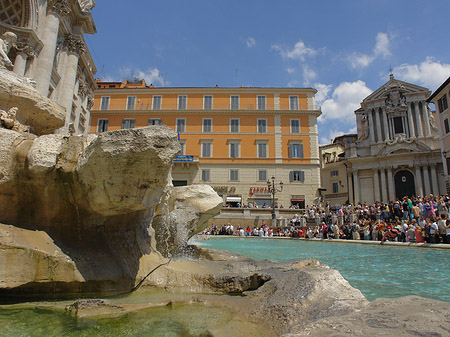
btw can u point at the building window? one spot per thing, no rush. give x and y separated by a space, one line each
234 125
295 126
205 175
154 121
206 149
234 102
262 125
334 173
181 124
261 149
442 103
446 126
398 125
234 175
336 187
297 176
104 103
262 175
131 102
156 103
207 102
102 125
207 125
295 150
293 102
234 149
182 102
128 123
261 102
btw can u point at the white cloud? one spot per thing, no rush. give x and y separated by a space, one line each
293 84
291 70
151 75
299 52
322 92
308 75
381 49
250 42
430 73
382 45
359 61
344 100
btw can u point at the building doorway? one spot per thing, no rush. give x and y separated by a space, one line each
404 184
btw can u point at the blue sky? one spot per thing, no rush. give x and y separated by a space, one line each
343 48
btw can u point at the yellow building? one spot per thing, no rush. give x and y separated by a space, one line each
233 139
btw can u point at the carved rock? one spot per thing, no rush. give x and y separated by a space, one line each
183 212
35 110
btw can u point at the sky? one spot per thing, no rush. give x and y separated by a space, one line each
343 48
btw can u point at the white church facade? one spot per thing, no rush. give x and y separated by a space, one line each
397 152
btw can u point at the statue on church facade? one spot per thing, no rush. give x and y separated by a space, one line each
6 42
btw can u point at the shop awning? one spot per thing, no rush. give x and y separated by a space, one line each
297 200
234 199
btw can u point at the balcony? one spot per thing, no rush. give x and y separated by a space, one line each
147 107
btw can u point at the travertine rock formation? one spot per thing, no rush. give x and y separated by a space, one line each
43 115
190 206
95 198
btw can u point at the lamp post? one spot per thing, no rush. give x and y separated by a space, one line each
273 190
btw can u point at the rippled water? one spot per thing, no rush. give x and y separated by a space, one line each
376 270
183 320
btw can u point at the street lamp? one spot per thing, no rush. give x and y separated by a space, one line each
273 190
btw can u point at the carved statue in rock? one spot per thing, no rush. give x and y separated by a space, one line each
6 42
7 119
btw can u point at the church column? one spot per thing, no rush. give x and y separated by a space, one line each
371 128
434 181
49 38
418 120
384 194
391 184
24 51
419 184
75 48
426 121
426 180
377 119
410 122
356 186
376 185
386 125
350 188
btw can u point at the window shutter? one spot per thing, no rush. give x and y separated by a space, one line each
133 123
302 176
300 150
124 123
106 125
291 176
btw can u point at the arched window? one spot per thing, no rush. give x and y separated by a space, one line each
15 12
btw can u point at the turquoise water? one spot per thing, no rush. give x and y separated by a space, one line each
378 271
183 321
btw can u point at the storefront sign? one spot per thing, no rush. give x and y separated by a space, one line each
224 189
184 158
263 190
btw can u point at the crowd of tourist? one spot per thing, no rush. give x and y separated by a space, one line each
407 220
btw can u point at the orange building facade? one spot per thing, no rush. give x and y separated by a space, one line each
233 139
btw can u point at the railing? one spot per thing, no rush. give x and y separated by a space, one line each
146 105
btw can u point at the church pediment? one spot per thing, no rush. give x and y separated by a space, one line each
402 145
394 85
